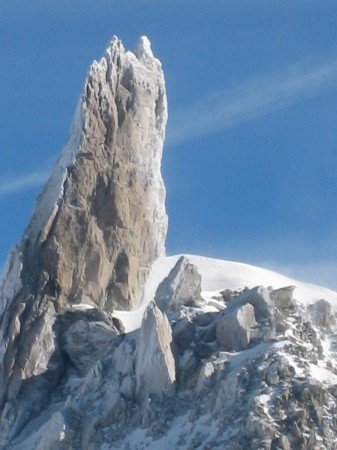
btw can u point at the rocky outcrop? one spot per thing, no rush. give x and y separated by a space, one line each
97 227
155 364
283 297
186 388
321 314
250 316
181 286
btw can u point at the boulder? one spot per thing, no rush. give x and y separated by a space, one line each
234 329
263 309
181 286
283 297
258 297
321 314
89 342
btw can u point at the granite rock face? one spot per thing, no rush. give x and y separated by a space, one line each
109 223
98 226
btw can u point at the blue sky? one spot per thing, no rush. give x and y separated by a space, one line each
250 159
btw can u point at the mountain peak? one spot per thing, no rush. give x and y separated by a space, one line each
98 225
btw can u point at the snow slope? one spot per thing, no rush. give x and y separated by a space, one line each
218 275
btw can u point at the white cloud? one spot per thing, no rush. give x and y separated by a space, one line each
254 98
19 183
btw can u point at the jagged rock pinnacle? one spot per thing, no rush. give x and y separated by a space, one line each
99 223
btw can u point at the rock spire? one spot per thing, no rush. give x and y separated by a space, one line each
98 225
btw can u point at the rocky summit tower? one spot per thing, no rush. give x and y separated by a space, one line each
97 227
106 343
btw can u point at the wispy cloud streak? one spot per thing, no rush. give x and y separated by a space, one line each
254 98
19 183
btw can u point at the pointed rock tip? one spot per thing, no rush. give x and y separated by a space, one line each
143 47
115 42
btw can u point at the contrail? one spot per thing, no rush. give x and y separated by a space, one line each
254 98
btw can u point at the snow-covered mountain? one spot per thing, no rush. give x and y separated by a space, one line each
106 343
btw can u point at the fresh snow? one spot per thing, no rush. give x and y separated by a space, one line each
240 358
323 375
218 275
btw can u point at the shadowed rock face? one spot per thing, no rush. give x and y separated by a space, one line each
98 225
